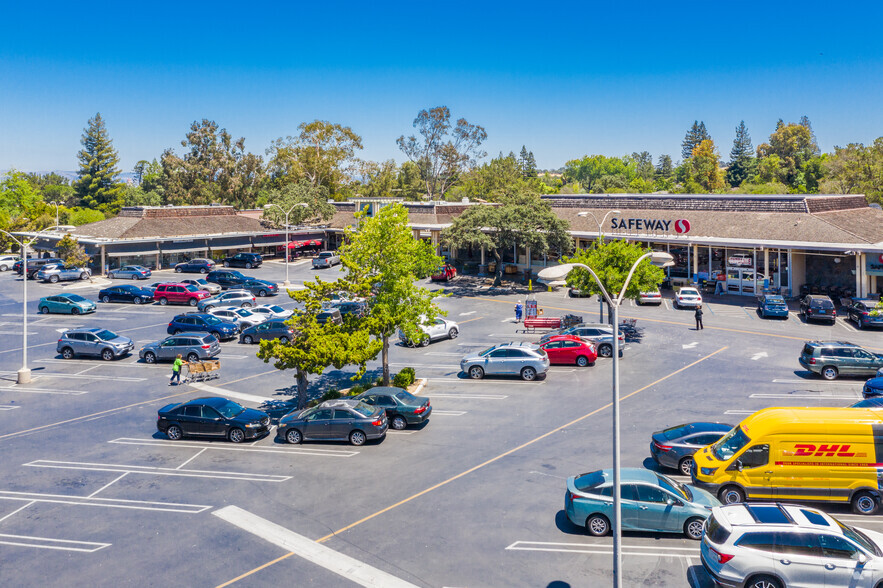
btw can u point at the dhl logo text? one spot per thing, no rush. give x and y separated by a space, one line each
822 450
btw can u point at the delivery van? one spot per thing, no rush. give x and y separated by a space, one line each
805 454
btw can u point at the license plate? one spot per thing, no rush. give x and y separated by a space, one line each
821 312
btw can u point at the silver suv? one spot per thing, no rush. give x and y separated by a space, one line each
94 342
240 298
507 359
54 273
776 546
191 346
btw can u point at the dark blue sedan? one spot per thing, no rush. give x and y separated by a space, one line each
772 305
132 272
126 293
260 287
873 387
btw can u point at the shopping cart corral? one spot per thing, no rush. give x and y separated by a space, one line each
200 371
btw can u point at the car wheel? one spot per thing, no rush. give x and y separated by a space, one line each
763 582
3 268
133 277
398 422
216 335
53 279
84 276
605 350
193 302
226 264
731 495
262 293
829 372
110 276
163 301
67 353
865 503
358 438
192 357
582 361
44 310
693 528
528 374
476 373
247 266
150 357
176 332
105 299
452 334
236 436
247 339
107 355
202 270
75 311
424 342
293 436
685 466
283 339
179 269
597 525
174 433
137 300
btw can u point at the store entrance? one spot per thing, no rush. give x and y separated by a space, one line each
740 280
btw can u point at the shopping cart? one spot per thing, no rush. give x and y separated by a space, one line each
200 371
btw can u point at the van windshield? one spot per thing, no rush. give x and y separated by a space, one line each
730 444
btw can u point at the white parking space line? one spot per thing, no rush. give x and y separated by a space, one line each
76 376
8 407
797 318
230 393
47 543
294 450
740 411
109 484
18 333
816 396
667 304
18 510
846 325
16 388
104 502
817 382
472 396
155 471
133 311
443 353
394 432
448 412
603 548
198 453
468 313
333 561
97 362
507 383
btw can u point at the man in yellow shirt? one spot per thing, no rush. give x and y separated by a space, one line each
176 370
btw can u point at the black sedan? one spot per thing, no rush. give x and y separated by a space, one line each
268 330
126 293
674 447
259 287
195 266
334 420
402 408
212 417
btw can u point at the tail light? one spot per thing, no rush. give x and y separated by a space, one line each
833 313
722 558
170 324
420 410
812 360
378 422
661 447
206 346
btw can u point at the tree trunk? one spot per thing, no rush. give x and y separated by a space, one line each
498 275
385 359
302 385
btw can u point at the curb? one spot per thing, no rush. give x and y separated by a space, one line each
420 386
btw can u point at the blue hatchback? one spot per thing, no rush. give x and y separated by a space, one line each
208 323
873 387
772 305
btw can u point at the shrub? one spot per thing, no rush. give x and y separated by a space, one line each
409 372
357 389
330 394
404 378
312 403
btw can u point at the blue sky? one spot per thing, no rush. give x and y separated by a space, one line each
565 79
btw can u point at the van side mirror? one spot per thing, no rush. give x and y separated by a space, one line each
736 466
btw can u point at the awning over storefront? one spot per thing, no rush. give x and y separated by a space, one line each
230 243
267 240
182 246
126 249
305 243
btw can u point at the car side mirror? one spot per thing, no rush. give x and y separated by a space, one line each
669 502
862 559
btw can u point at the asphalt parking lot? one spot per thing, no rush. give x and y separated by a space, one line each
91 494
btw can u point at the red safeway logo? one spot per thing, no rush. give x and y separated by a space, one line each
881 258
682 226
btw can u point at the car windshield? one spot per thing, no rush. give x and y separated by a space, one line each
590 481
859 538
201 281
407 397
191 288
674 487
823 304
75 298
363 409
212 319
242 312
230 409
486 351
106 335
730 444
276 308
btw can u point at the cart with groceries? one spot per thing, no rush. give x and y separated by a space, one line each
201 371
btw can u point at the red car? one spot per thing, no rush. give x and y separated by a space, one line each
570 350
447 272
179 294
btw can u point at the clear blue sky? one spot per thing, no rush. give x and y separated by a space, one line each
565 79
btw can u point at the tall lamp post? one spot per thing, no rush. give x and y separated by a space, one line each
288 212
24 374
559 272
600 238
56 213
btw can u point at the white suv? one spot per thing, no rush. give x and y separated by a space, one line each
770 545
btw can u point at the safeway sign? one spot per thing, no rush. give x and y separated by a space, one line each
656 225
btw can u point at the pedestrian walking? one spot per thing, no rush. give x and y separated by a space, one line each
518 309
176 370
698 315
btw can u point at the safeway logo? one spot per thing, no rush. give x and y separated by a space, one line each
881 258
682 226
826 450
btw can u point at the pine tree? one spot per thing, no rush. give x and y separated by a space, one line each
742 162
804 122
522 160
694 136
531 165
97 186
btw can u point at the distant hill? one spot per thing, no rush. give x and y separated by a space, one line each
128 177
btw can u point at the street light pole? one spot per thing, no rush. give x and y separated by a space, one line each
56 213
287 282
600 238
658 258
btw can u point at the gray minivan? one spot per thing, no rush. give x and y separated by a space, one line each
191 346
94 342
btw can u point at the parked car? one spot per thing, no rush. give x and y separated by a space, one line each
873 388
199 266
350 308
326 259
227 278
176 293
273 311
772 545
438 328
819 308
507 359
674 447
830 359
35 264
859 311
240 298
402 408
197 321
650 297
271 329
202 284
259 288
446 273
133 272
334 420
239 316
649 502
152 287
8 261
330 314
869 402
687 297
772 305
126 293
212 417
246 260
57 272
570 350
576 293
93 342
598 334
191 346
66 304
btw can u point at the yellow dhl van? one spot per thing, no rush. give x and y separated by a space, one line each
806 454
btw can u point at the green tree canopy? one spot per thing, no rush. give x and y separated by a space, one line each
290 197
792 146
73 254
695 135
599 173
97 186
612 261
742 162
705 169
856 169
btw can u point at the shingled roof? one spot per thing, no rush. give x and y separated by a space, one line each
155 222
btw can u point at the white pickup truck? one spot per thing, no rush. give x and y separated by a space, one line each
326 259
55 272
